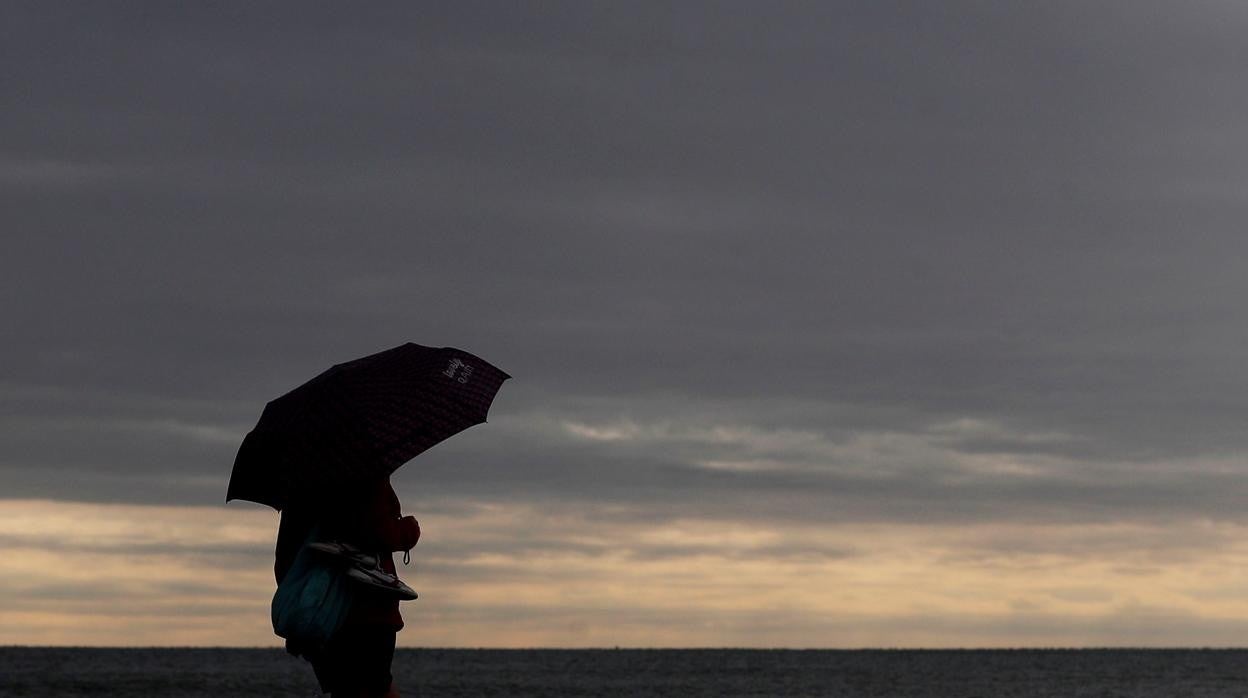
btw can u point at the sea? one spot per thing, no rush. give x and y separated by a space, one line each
1103 673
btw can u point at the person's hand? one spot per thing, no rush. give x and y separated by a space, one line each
411 531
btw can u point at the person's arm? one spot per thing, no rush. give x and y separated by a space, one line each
291 532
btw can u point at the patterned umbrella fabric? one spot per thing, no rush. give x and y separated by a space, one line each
361 420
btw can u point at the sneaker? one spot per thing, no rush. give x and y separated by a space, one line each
346 552
381 580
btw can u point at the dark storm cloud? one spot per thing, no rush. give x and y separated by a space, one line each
848 220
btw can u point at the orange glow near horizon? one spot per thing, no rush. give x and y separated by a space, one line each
495 575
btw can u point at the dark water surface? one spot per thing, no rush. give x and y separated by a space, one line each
437 672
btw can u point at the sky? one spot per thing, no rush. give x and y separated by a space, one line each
844 324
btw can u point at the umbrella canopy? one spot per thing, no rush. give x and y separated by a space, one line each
361 420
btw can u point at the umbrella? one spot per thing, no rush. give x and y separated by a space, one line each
360 421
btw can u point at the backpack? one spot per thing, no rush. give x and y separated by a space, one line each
312 601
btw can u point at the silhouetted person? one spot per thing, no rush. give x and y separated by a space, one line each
357 660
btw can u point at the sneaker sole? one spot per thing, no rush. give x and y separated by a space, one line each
403 591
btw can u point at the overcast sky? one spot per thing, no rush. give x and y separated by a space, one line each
831 324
